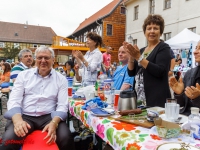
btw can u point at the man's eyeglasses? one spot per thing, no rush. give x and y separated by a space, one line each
41 57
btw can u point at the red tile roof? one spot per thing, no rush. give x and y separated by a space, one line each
25 33
105 11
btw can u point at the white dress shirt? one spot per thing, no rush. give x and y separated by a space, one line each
94 60
35 95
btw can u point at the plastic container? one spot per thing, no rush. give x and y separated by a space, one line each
108 83
70 81
102 77
109 97
194 120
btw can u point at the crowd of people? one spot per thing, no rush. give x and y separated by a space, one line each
39 98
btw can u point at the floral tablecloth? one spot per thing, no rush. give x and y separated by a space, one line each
123 136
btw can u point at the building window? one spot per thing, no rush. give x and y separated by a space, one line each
136 11
134 41
123 10
167 36
16 45
192 29
2 44
109 29
152 6
35 45
167 4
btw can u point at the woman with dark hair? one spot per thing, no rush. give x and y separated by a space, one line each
91 60
69 67
5 76
150 65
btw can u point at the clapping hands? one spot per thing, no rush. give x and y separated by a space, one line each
177 86
192 92
132 50
77 54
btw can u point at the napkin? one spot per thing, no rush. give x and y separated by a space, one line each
99 111
109 110
94 103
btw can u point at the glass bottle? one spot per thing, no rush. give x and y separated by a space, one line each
71 73
194 120
194 117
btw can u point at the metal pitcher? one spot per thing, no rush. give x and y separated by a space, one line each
127 100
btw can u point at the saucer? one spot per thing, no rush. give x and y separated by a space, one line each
169 146
183 119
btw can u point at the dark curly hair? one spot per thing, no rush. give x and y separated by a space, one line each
7 67
155 19
96 38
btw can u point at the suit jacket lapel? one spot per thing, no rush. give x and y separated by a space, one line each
193 73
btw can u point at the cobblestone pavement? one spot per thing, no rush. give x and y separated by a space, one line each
2 119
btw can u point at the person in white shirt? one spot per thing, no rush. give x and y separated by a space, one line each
39 101
91 60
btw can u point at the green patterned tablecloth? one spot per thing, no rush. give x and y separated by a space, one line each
123 136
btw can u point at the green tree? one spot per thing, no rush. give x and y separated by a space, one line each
10 52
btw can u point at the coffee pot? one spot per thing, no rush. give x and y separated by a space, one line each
127 100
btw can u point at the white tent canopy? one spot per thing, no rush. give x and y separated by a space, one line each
183 40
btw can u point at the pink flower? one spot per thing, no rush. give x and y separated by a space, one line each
72 111
100 130
151 145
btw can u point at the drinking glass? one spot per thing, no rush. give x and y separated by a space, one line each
69 91
172 111
171 100
131 116
116 99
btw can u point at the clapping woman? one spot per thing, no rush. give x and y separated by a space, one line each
150 65
91 60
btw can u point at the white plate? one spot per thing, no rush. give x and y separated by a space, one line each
183 119
168 146
101 115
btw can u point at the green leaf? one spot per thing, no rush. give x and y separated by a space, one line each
143 135
109 134
141 139
105 121
123 148
72 103
86 116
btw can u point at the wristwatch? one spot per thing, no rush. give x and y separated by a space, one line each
141 58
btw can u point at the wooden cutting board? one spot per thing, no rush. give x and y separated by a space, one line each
145 124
